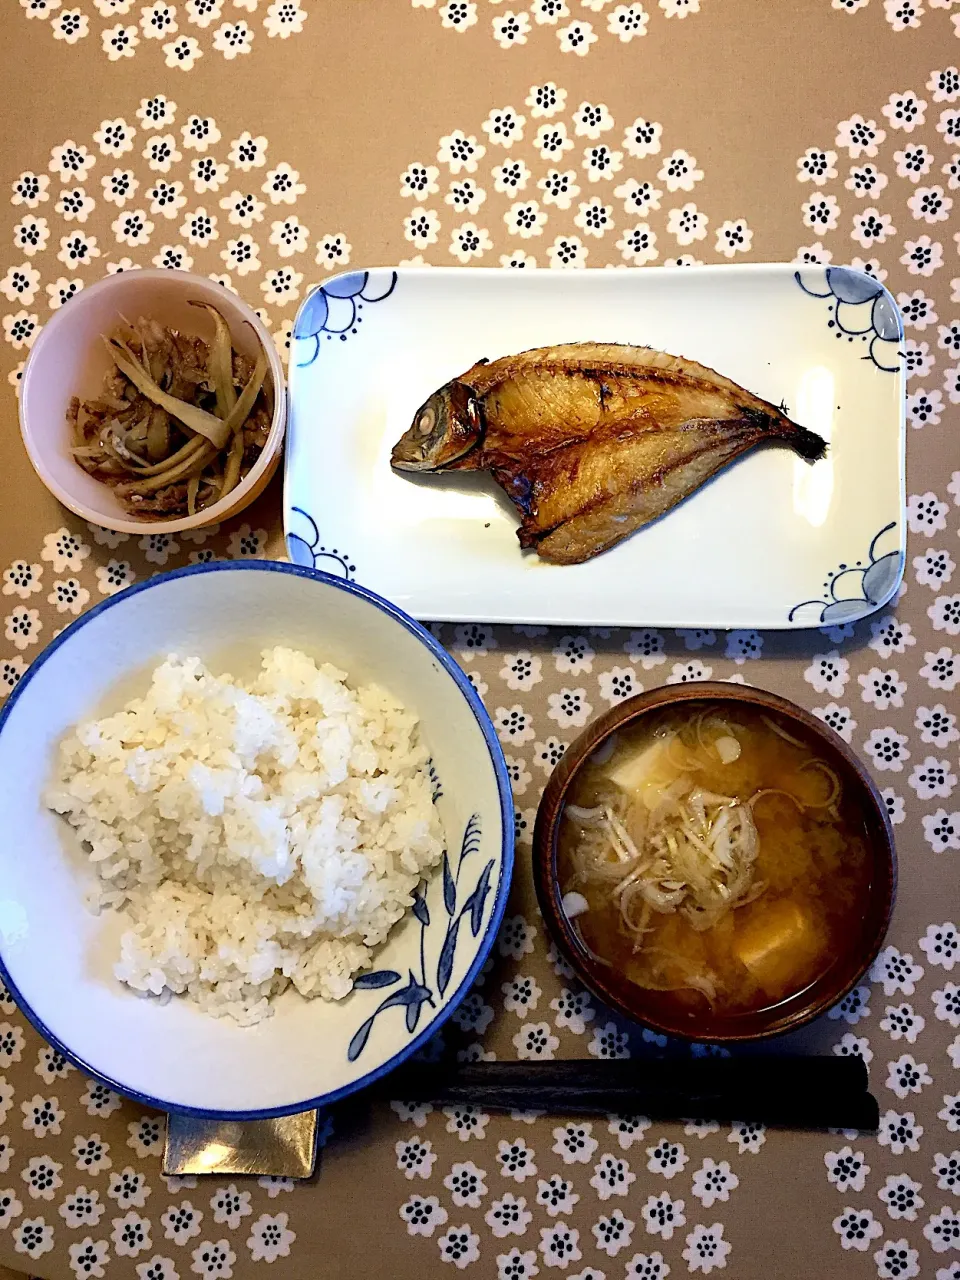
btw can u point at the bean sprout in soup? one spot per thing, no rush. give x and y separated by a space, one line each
714 856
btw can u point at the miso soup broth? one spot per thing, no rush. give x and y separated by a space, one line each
714 855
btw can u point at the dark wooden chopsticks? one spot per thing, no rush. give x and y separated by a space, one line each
785 1092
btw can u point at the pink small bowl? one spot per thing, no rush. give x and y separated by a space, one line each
69 359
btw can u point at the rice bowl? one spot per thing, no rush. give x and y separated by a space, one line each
58 957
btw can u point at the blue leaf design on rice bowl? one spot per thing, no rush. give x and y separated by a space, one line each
434 781
379 978
420 908
860 308
853 590
419 989
449 888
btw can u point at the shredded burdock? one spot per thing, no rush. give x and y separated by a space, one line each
179 421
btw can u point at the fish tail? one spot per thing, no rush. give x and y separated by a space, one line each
808 444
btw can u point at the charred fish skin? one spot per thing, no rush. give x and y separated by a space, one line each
591 441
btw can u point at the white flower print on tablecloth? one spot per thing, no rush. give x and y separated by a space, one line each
157 1268
667 1158
516 1160
556 1195
706 1249
422 1214
559 1245
42 1177
33 1236
100 1100
521 996
714 1182
212 1258
906 1076
181 1222
20 284
508 1216
82 1208
662 1215
609 1041
473 1014
554 139
573 1010
613 1232
466 1185
748 1135
574 1143
157 152
923 657
947 1171
158 28
414 1112
612 1176
130 1235
941 945
901 1022
230 1206
466 1123
271 1238
10 1207
91 1153
696 1128
941 830
569 21
857 1228
943 1230
89 1257
42 1116
459 1245
129 1188
901 1196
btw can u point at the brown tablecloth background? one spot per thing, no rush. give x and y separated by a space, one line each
350 95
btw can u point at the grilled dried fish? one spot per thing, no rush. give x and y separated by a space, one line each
591 441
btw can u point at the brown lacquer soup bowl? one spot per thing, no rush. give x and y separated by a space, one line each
853 947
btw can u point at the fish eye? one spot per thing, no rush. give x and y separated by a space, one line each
427 421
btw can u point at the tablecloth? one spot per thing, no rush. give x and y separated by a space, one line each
271 144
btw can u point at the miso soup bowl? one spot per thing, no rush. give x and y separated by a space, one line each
652 1009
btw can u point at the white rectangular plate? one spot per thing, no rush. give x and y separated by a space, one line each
773 541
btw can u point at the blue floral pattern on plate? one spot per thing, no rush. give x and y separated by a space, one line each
854 590
303 544
419 990
333 309
860 307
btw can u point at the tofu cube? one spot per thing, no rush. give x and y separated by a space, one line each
645 773
777 945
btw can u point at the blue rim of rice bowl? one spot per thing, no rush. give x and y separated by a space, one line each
495 752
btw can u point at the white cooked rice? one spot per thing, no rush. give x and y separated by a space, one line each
257 835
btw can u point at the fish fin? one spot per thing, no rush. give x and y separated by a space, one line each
603 525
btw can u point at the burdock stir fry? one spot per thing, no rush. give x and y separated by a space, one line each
179 421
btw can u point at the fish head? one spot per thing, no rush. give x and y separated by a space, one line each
444 428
